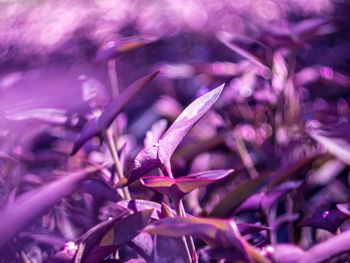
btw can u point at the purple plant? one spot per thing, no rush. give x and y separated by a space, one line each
254 169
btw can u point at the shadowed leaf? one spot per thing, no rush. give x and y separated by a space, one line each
117 105
238 195
246 229
145 161
90 130
97 125
31 205
329 220
129 227
262 201
184 122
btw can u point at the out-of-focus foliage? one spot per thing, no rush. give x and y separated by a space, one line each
236 147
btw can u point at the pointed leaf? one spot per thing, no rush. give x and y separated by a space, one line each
129 227
31 205
90 130
113 49
117 105
140 205
97 125
248 48
94 237
329 220
179 187
182 125
238 195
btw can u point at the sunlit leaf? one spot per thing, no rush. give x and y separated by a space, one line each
329 220
184 122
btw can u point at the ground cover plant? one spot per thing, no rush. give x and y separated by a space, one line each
139 142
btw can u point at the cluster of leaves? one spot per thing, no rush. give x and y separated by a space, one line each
252 170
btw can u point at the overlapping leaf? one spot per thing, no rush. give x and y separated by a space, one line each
184 122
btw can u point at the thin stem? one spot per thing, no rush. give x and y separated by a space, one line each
178 209
118 167
246 159
113 78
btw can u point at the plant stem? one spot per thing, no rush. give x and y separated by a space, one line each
119 170
113 78
178 204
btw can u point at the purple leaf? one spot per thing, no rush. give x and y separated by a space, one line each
215 232
179 187
33 204
93 237
329 220
248 48
113 49
334 138
101 190
98 253
97 125
143 245
308 29
140 205
90 130
238 195
145 161
262 201
246 229
344 208
117 105
184 122
129 227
